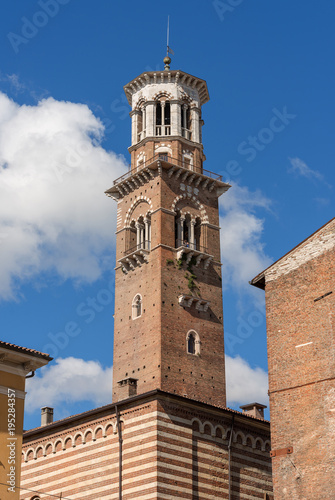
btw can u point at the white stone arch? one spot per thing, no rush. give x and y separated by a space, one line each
260 441
163 149
49 443
162 94
109 424
61 441
222 429
211 427
242 436
140 103
27 453
99 427
198 422
70 437
85 434
137 306
249 436
39 447
267 443
197 342
199 206
78 433
184 98
137 201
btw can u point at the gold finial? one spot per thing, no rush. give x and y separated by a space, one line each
167 62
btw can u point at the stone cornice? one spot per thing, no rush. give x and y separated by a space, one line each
174 76
167 138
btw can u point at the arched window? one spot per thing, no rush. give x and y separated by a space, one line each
193 342
185 121
163 118
137 306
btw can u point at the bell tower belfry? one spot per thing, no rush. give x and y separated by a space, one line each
168 322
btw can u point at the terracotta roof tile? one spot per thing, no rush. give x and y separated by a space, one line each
25 350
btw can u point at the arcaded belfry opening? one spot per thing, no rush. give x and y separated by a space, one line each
139 234
188 231
163 117
185 118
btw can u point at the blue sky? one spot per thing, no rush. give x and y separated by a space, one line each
64 133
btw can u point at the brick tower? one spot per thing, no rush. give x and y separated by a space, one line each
168 330
167 433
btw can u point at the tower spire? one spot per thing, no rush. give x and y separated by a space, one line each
167 58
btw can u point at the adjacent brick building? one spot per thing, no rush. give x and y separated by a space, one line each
168 433
16 364
300 311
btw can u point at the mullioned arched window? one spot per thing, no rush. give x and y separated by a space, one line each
193 342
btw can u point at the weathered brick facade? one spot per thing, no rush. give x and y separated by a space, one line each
300 311
152 348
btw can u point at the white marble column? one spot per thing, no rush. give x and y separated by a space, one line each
138 234
142 237
143 122
147 234
163 117
175 118
185 107
150 119
191 232
134 122
181 227
195 125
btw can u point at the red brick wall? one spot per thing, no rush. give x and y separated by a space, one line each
152 348
301 336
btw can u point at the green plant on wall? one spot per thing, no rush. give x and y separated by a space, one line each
191 281
189 275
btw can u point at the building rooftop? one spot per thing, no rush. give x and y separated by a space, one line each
24 350
259 280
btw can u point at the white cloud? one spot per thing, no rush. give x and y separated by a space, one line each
245 384
54 216
70 380
242 251
301 168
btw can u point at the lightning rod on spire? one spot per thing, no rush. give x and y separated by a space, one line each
167 58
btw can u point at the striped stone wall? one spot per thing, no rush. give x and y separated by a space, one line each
171 449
